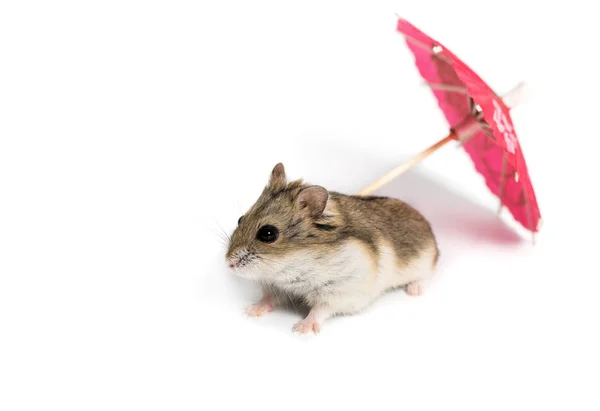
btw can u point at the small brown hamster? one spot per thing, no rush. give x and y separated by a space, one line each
334 253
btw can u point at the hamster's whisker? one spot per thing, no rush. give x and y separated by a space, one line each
222 233
225 233
224 239
222 229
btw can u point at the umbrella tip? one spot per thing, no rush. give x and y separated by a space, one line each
517 95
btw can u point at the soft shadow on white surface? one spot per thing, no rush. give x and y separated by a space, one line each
451 214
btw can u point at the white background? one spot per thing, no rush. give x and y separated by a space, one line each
130 132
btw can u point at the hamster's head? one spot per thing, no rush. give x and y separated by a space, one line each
283 224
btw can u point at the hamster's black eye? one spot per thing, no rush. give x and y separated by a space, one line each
240 220
267 234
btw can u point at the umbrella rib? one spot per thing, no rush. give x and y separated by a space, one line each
426 47
446 87
416 42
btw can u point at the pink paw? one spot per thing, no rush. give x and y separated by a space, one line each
414 289
259 309
306 326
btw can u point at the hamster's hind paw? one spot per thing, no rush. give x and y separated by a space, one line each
414 289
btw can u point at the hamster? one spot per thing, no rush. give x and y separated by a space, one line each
332 252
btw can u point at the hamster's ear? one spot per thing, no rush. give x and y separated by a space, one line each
313 200
278 178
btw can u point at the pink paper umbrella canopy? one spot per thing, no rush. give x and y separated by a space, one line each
466 100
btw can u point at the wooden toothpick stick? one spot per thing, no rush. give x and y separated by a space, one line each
511 99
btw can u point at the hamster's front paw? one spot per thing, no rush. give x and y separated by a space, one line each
313 321
260 308
306 326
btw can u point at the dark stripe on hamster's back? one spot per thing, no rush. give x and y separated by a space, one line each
368 198
362 236
325 227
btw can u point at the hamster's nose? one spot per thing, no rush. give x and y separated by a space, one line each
231 265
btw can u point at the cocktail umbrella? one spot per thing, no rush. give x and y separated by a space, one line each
479 120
